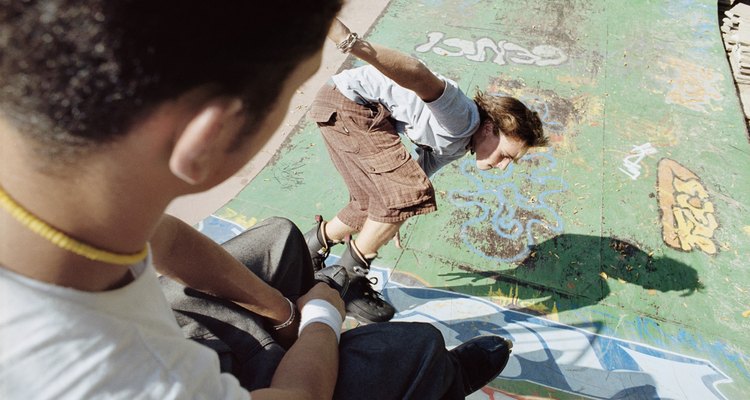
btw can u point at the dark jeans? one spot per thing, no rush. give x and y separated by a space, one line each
380 361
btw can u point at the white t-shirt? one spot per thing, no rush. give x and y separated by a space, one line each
60 343
444 125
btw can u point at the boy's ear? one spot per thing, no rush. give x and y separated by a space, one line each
200 146
489 128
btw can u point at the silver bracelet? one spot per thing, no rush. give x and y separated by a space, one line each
291 317
347 44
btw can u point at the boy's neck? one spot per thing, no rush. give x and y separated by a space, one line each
103 212
28 254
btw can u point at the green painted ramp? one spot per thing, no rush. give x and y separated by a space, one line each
617 259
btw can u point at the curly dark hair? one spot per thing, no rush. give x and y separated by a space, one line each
74 74
512 118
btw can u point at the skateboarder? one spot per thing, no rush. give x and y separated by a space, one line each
360 113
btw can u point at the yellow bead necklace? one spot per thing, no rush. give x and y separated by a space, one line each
63 241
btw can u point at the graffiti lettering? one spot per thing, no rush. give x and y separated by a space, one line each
547 353
560 356
688 219
500 51
632 162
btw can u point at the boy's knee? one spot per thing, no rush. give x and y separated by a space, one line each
426 331
280 222
422 336
284 228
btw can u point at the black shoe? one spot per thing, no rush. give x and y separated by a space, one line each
482 359
364 303
354 263
317 244
336 277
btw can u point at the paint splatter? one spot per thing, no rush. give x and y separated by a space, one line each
691 85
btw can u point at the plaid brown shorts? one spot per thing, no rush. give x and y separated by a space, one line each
385 183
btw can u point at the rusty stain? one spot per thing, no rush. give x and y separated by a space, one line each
487 240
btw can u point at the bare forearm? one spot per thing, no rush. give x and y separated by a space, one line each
186 255
308 370
406 71
403 69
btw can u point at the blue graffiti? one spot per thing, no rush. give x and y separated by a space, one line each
699 18
499 200
729 358
218 229
566 358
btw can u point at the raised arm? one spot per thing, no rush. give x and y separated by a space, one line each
406 71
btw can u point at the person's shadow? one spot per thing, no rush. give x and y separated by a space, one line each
570 271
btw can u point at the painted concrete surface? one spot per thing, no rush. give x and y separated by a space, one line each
617 259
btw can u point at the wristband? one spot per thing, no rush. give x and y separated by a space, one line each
318 310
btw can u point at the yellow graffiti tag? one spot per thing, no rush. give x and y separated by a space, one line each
688 219
232 215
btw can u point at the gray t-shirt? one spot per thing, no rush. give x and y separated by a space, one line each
441 129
